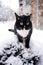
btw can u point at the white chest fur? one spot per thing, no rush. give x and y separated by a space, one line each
23 32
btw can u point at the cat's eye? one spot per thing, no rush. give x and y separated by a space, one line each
27 23
21 23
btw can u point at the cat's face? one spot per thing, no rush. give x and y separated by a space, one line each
23 22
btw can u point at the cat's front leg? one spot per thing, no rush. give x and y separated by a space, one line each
20 40
27 43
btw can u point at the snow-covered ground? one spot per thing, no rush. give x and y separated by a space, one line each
36 42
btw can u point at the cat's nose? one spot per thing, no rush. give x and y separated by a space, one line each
24 28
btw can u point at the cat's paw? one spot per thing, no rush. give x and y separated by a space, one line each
27 49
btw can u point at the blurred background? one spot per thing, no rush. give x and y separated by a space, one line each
9 7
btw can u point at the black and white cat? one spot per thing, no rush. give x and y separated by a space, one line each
23 28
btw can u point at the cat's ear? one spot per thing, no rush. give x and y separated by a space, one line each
30 15
16 15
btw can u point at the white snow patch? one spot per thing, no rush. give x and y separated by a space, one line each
14 61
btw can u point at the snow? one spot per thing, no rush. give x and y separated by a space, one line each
36 42
6 13
13 4
5 35
14 60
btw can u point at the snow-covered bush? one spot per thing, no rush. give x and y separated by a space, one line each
15 53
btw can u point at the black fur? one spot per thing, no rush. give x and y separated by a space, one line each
23 19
